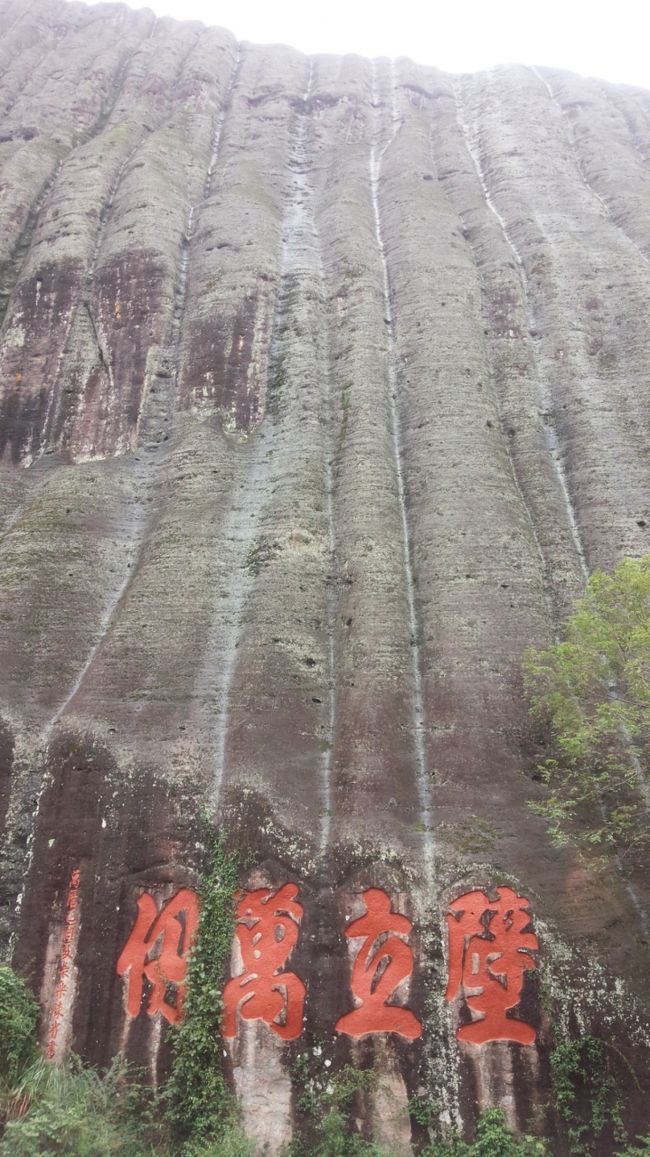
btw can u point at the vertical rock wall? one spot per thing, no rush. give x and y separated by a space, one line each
323 387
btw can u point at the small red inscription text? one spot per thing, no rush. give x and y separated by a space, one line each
70 929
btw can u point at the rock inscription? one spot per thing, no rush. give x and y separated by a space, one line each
491 946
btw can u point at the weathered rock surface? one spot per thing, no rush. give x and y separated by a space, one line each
323 385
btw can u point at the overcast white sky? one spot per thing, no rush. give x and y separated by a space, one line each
610 40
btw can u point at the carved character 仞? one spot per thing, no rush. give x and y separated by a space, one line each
168 934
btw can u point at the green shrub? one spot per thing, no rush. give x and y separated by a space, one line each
424 1110
493 1139
334 1136
231 1143
18 1021
592 691
327 1101
75 1110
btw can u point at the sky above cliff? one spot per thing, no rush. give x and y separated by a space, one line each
599 39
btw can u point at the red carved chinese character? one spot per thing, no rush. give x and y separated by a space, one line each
267 930
169 966
490 948
382 963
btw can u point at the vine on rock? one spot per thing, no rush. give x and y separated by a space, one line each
200 1104
326 1104
586 1094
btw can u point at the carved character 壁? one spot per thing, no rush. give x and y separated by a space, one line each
490 948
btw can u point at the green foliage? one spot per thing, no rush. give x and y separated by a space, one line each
492 1139
336 1140
327 1100
424 1111
231 1142
71 1109
586 1093
593 691
18 1021
307 1101
200 1104
640 1150
347 1084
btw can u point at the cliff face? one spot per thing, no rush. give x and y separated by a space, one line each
323 386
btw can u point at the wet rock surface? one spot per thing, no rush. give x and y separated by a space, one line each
323 387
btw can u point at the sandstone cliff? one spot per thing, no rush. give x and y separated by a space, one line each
323 387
